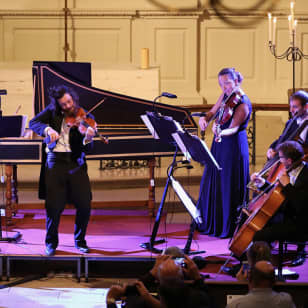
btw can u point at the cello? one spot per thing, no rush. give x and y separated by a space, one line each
265 206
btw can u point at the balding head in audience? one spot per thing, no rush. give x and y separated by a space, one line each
170 272
262 275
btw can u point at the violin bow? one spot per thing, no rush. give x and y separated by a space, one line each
95 106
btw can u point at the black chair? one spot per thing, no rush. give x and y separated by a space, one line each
282 249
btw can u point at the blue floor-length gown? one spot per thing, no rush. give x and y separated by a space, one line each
221 192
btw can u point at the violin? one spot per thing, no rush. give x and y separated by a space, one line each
273 166
226 110
81 118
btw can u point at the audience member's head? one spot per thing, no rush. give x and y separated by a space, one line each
262 275
170 273
258 251
174 252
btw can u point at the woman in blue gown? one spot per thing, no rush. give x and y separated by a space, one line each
221 192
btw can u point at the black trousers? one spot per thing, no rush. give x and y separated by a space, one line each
66 180
287 230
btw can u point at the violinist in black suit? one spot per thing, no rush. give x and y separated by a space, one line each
64 176
290 222
299 112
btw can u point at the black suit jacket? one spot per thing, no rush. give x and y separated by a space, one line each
290 128
295 206
52 117
296 203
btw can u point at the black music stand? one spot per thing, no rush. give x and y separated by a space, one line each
160 127
15 237
170 131
193 148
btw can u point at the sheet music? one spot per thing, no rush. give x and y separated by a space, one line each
23 125
197 145
183 196
149 125
182 146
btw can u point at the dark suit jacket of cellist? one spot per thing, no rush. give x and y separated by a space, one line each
295 206
53 118
290 127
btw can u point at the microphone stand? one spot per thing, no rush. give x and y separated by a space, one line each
2 92
163 94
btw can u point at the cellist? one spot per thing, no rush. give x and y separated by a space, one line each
290 222
299 112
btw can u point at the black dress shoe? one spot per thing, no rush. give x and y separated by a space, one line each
50 251
232 270
83 248
199 261
299 260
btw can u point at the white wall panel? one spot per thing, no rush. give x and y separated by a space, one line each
26 39
304 64
105 45
1 41
96 40
32 4
106 40
133 4
229 48
37 44
169 53
188 48
173 47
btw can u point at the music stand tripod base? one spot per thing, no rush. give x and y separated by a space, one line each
14 238
186 249
150 246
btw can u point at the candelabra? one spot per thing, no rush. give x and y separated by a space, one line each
293 53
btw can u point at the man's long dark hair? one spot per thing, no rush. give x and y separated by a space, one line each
57 92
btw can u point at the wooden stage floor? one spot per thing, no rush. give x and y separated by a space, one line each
119 233
114 236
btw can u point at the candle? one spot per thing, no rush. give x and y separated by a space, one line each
292 12
295 25
290 27
274 29
292 8
145 58
269 27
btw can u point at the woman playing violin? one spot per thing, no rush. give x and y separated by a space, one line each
221 192
64 176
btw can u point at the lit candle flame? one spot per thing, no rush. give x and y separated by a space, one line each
274 29
269 26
